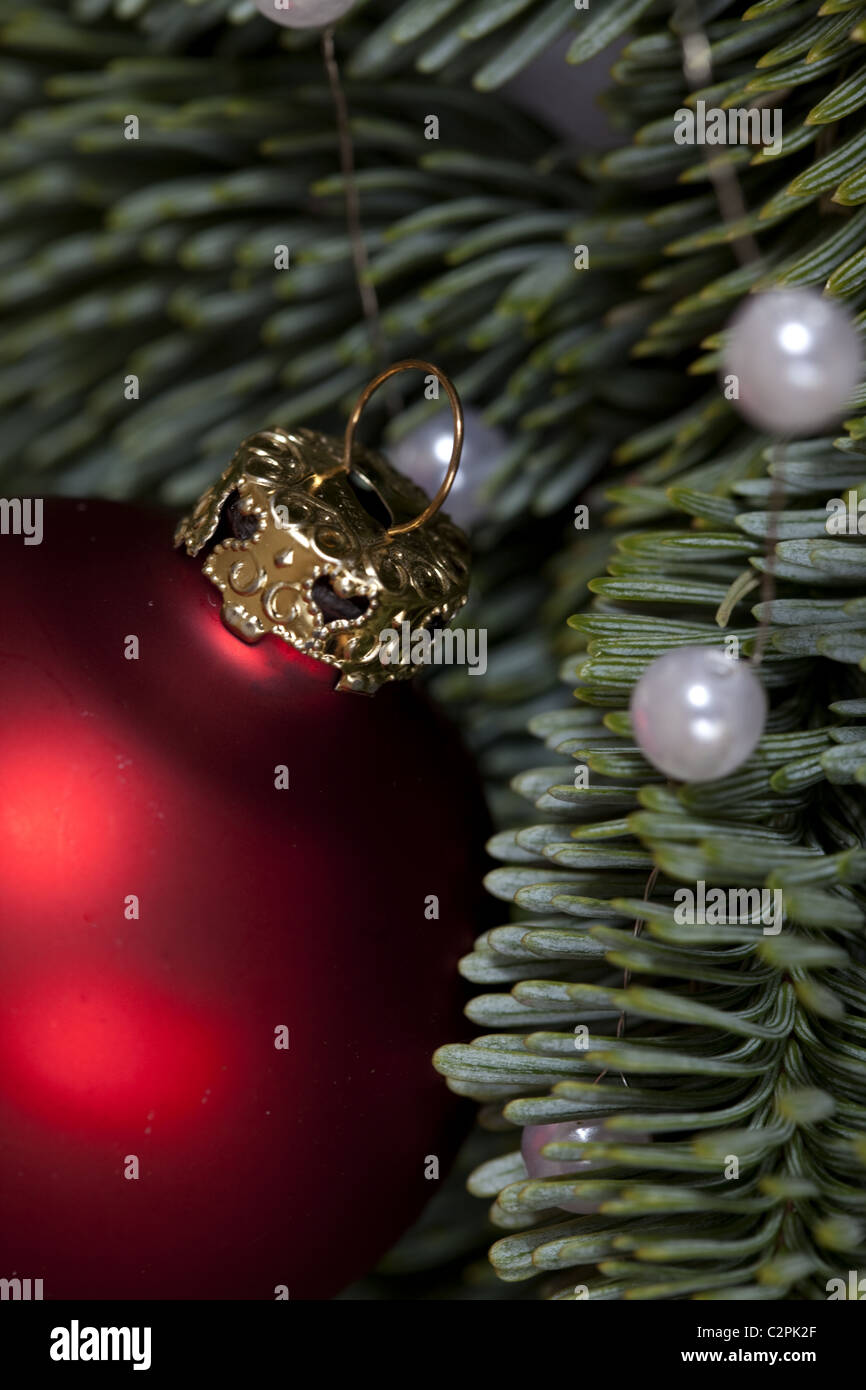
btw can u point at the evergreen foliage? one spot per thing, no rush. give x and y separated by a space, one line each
714 1040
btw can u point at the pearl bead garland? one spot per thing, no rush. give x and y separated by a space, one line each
697 714
797 358
304 14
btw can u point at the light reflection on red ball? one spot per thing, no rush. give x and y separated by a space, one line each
109 1053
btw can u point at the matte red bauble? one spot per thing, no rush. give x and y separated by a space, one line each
221 976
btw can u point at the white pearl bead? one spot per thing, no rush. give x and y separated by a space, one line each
424 453
697 714
797 358
536 1136
304 14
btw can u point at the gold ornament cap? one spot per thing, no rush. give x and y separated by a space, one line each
324 544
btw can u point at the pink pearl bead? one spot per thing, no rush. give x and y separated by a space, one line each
535 1137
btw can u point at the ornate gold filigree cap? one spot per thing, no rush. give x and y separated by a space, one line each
324 544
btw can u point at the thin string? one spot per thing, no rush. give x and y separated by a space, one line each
768 574
626 976
698 72
366 289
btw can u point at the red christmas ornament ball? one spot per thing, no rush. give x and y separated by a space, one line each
170 913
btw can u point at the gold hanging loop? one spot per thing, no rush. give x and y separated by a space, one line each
457 410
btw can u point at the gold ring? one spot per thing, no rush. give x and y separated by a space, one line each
457 411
